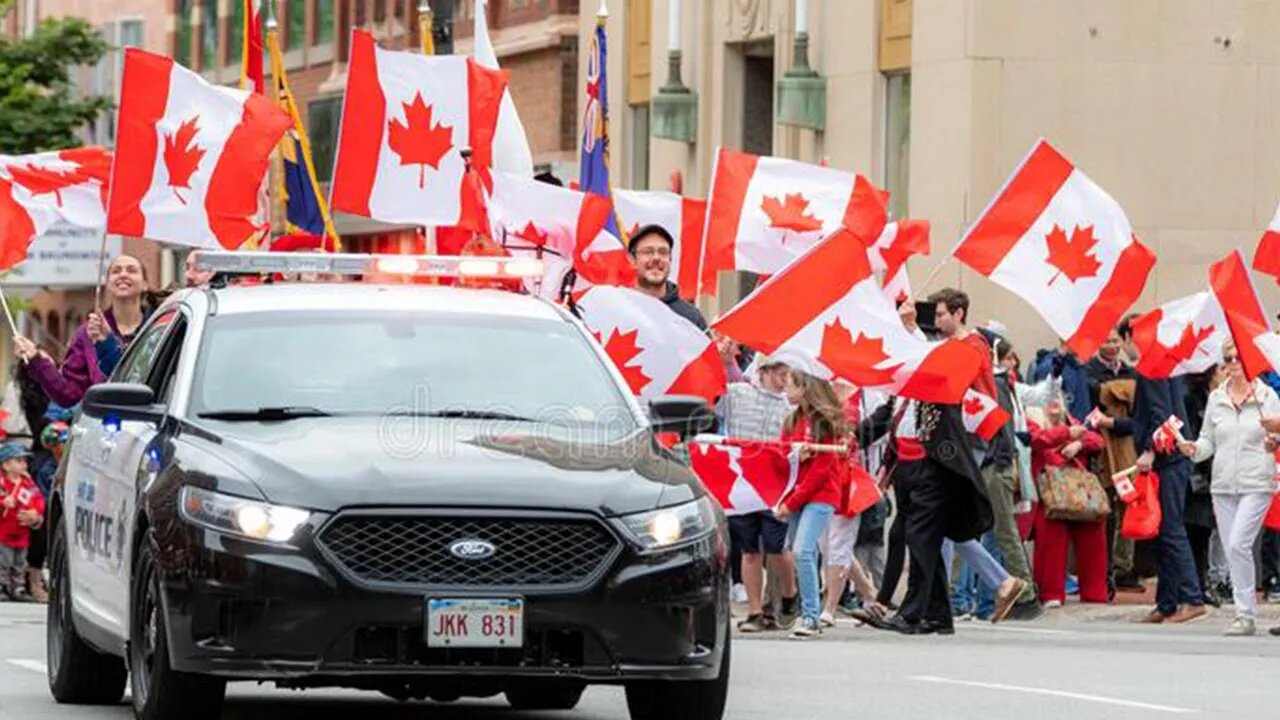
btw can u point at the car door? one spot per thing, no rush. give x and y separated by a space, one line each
98 533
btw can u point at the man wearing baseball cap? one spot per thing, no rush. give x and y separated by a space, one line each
650 248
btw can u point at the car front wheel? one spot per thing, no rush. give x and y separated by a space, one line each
682 700
159 691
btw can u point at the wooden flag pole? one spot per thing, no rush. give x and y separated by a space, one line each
8 314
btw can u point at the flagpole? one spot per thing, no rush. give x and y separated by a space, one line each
8 314
426 21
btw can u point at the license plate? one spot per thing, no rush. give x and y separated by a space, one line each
475 622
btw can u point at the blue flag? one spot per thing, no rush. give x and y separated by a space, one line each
593 171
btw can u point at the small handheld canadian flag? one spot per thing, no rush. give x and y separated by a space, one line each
1125 488
1166 437
1094 419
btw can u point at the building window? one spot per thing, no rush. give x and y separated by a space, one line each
640 147
183 54
209 34
296 17
897 141
323 117
235 33
324 22
106 76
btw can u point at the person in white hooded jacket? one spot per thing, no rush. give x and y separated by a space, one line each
1244 474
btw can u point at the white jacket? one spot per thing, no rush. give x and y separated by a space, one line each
1235 440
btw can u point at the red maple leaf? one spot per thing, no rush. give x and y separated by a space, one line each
790 214
1183 350
182 157
973 406
416 141
855 360
912 238
1072 257
711 463
41 180
532 234
622 349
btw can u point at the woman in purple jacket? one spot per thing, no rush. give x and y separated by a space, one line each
126 285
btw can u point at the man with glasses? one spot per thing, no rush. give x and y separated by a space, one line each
650 248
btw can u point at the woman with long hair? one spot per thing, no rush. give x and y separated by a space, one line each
1243 476
818 418
126 288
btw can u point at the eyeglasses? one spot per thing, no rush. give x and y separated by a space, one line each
1229 359
652 252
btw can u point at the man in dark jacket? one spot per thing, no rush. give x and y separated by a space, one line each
650 248
1178 595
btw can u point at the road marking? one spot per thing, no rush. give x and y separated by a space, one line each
1055 693
987 627
31 665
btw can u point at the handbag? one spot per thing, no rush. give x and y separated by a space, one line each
1073 493
1142 516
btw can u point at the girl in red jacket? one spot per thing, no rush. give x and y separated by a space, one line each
1055 443
820 481
21 509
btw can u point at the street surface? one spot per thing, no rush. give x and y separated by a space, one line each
1072 664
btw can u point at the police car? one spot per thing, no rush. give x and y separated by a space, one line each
424 490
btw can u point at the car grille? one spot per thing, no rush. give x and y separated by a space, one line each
415 550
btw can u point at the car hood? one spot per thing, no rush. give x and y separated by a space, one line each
331 463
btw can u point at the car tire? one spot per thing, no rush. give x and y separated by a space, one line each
554 697
78 674
682 700
159 691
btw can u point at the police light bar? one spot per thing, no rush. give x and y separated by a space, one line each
453 266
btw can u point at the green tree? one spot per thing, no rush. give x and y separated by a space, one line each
38 107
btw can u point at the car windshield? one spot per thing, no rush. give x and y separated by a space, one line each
528 375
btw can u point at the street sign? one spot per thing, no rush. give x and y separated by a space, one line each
63 257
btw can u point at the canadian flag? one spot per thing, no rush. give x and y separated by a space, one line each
840 324
1125 487
897 242
1166 437
190 156
535 219
1266 259
864 492
681 216
744 476
983 416
1094 419
766 211
1233 287
406 119
1182 336
657 351
1059 241
39 191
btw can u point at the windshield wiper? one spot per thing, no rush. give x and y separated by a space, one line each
288 412
470 415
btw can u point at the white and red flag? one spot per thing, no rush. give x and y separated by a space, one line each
766 211
1233 287
39 191
534 219
190 156
406 119
1166 437
1266 258
1060 242
983 416
681 216
744 476
657 351
898 241
1182 336
840 324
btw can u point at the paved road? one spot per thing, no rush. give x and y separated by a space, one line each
1061 667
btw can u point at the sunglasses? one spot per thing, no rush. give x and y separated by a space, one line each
1229 359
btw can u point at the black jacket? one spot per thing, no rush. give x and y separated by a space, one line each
1098 374
947 447
1153 403
1002 450
682 308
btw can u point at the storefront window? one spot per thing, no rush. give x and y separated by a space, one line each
897 142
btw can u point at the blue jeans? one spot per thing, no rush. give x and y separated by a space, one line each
1178 582
990 572
807 528
970 594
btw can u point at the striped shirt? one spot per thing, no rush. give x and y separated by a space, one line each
752 413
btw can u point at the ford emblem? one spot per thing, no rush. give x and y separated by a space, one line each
473 549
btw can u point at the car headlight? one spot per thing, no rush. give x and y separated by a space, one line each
239 516
672 526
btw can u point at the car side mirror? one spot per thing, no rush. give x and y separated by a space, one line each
128 401
685 415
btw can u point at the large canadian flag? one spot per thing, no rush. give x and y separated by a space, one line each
766 211
681 216
554 224
406 119
39 191
841 324
897 243
1059 241
1247 321
1266 259
743 476
657 351
190 156
1182 336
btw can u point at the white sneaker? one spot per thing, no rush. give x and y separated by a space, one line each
806 629
1241 627
739 593
1053 604
827 620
